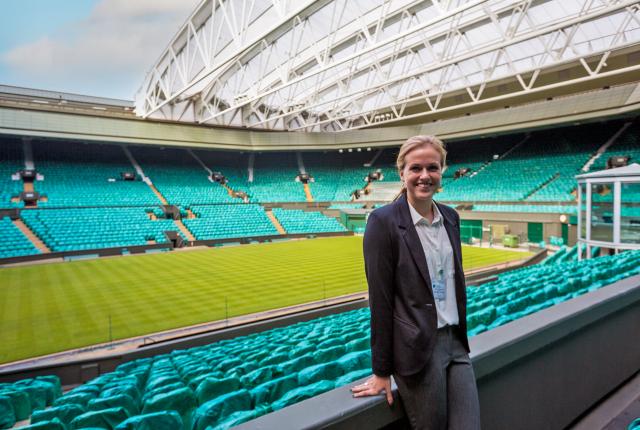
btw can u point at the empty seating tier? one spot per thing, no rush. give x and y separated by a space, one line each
541 168
83 175
229 221
525 291
627 144
299 221
92 228
179 177
14 243
274 179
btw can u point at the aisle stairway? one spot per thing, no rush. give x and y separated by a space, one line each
157 193
31 236
275 222
307 192
185 231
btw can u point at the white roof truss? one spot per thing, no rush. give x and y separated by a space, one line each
334 65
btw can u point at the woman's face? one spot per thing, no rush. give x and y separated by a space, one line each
422 173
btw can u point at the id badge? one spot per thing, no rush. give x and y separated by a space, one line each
439 290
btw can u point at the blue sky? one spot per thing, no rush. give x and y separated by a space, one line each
94 47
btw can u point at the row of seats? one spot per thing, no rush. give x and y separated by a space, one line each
628 143
524 291
525 208
232 381
540 168
14 243
91 228
218 385
78 174
299 221
179 177
73 229
229 221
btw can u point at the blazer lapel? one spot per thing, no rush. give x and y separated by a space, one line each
410 236
450 227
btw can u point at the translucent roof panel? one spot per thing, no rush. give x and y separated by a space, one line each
330 65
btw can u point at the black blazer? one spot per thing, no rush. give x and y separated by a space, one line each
403 311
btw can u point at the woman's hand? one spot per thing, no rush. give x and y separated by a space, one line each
374 386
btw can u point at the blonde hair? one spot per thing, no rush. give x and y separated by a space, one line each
416 142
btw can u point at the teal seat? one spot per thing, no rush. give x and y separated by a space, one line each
105 419
214 410
167 420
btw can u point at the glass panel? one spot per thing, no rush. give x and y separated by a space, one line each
583 210
630 212
602 212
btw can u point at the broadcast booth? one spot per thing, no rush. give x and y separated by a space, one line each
609 209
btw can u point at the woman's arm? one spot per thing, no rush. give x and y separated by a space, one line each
379 269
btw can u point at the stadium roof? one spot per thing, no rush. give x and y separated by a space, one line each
335 65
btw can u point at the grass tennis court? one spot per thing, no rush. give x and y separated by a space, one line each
54 307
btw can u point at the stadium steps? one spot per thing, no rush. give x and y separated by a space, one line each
606 146
31 236
157 193
275 222
183 228
480 169
232 192
307 193
544 184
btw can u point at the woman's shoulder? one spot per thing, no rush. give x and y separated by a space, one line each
384 212
448 212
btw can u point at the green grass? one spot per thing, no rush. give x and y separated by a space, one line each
54 307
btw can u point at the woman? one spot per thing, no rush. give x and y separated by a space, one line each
413 264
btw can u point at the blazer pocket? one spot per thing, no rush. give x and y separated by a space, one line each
405 332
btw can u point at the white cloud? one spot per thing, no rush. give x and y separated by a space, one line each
118 42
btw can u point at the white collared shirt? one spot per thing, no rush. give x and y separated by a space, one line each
439 254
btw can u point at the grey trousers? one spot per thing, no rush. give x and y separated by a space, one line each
444 395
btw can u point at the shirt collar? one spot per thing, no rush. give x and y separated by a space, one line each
416 217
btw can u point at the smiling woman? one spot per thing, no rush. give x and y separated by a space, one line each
417 297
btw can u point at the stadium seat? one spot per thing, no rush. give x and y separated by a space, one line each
105 418
166 420
65 413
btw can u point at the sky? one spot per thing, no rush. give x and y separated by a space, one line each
93 47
